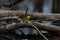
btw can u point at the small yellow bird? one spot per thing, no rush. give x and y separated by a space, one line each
28 17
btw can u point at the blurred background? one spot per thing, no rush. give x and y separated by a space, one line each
42 6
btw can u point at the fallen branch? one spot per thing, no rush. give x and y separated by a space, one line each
26 24
40 26
34 15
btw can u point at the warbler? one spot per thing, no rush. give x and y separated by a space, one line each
28 17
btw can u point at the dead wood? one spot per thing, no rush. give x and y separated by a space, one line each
34 15
26 24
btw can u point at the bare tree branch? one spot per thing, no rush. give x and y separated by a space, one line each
26 24
34 15
41 26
